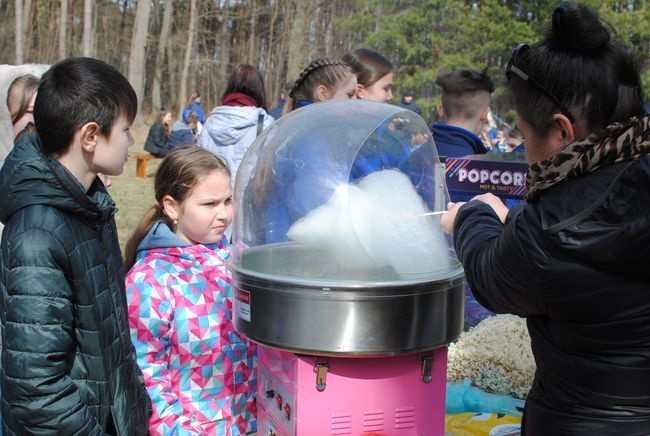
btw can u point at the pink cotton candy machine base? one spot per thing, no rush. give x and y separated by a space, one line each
318 396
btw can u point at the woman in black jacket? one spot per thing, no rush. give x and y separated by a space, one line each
158 135
574 258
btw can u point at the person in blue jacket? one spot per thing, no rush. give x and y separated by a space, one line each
323 79
182 133
276 112
464 109
194 106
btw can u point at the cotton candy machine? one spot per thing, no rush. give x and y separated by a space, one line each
342 273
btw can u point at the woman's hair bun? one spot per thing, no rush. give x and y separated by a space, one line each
577 29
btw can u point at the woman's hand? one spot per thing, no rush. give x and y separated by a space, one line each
496 203
447 220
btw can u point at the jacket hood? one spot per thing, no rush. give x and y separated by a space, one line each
160 238
226 125
28 178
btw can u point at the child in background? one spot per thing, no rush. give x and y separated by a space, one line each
156 142
68 362
374 74
232 127
199 371
323 79
183 132
20 102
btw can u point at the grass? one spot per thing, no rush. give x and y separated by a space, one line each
133 195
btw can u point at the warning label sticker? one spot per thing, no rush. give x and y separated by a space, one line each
243 304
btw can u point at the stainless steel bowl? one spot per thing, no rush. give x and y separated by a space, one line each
281 301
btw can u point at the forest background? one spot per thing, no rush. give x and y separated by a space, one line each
168 48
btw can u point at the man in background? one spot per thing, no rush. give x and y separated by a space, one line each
464 110
408 103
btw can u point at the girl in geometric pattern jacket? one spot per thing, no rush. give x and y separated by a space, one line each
199 371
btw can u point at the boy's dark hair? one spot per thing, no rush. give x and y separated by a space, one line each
594 78
77 91
460 89
248 80
465 80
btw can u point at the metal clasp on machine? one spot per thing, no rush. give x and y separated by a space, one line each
427 365
321 365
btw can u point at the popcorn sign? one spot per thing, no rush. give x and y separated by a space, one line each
500 174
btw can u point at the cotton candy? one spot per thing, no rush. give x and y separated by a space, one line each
375 223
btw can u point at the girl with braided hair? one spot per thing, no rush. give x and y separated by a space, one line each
323 79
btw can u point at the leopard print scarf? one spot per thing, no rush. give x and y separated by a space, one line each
619 142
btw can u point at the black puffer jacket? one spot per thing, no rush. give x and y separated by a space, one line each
68 365
575 261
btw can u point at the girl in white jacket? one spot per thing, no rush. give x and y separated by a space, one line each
232 127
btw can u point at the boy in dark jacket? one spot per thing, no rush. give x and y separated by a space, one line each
68 365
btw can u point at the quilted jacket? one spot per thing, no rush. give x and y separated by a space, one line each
68 364
200 372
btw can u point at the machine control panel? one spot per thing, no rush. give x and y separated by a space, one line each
277 402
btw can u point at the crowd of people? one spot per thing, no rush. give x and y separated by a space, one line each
97 343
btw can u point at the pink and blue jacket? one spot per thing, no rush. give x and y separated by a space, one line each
199 371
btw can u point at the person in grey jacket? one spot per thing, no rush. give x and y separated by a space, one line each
68 362
232 127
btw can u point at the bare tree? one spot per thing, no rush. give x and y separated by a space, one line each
189 50
252 35
88 28
137 55
156 100
224 59
20 35
63 29
27 28
298 35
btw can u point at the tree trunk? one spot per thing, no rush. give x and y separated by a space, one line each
252 36
88 29
63 29
271 62
27 29
20 35
189 49
298 36
156 100
137 55
224 62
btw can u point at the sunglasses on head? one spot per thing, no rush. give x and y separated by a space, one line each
513 69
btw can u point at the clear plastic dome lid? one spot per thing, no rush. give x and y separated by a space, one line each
343 191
